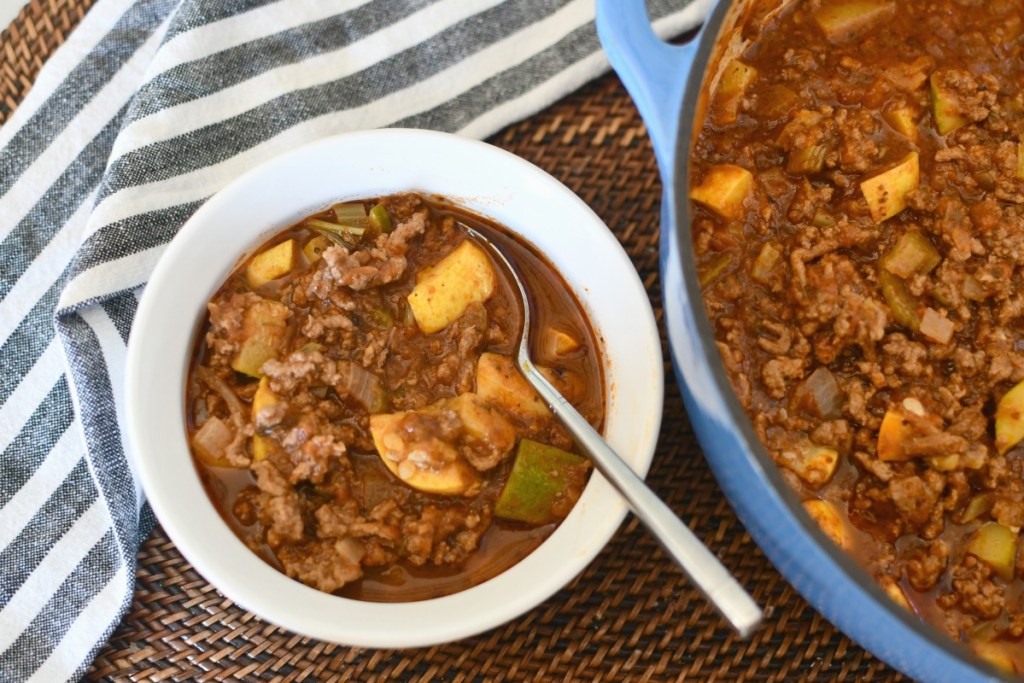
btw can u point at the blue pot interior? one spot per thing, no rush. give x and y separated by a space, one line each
666 82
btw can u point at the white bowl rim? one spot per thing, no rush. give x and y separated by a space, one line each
167 474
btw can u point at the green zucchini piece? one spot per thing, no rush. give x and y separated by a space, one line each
544 484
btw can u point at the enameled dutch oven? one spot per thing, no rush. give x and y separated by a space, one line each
667 83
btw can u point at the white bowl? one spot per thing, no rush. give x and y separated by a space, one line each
277 194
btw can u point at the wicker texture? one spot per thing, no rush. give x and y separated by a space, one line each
630 616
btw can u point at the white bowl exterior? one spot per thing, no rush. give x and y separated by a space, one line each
277 194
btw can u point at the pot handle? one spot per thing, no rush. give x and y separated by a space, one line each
654 72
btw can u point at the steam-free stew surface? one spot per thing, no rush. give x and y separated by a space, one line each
858 200
355 413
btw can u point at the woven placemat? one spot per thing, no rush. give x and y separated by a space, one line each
630 616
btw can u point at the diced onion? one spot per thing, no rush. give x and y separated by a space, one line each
820 396
363 386
936 327
211 441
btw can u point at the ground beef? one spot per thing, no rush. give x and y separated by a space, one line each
974 590
926 564
324 565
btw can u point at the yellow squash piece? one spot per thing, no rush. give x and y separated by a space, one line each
724 189
481 425
903 121
499 381
996 546
945 109
896 429
886 193
444 290
895 592
994 652
735 81
814 464
557 342
825 514
421 459
271 264
263 329
262 446
845 20
1010 419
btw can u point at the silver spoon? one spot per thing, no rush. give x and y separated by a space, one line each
696 561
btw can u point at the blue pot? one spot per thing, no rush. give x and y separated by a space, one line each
665 81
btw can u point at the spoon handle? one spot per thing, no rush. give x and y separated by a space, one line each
703 568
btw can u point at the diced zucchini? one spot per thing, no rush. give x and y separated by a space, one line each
445 289
945 108
315 248
886 193
1010 419
271 264
845 20
806 160
996 546
902 304
764 264
710 272
912 253
936 326
380 219
351 214
775 102
735 81
977 506
543 485
903 121
343 235
263 330
822 218
421 459
825 514
499 381
724 189
812 463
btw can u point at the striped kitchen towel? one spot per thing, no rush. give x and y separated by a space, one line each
149 108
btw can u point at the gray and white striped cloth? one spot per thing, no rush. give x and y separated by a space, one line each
148 109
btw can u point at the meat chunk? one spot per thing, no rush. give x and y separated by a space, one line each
926 565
